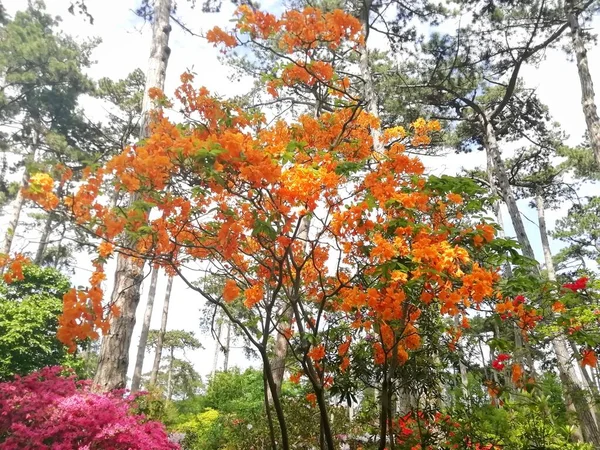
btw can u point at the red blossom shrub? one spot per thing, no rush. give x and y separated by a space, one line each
498 363
577 285
50 409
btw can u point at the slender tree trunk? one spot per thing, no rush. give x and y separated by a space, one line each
114 353
281 343
464 380
44 239
506 192
17 207
217 346
275 400
567 372
141 351
170 376
370 98
161 333
227 347
588 102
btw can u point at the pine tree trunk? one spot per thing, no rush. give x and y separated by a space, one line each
588 102
114 353
506 192
44 239
227 347
217 346
17 207
567 372
170 376
161 333
370 98
141 351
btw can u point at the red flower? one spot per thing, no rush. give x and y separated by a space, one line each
519 299
498 363
577 285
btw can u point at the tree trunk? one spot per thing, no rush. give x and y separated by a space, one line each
281 342
170 376
141 352
464 380
217 346
114 359
44 239
161 333
567 372
17 207
281 346
506 192
588 102
114 352
370 98
227 347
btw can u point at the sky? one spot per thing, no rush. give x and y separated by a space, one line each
125 47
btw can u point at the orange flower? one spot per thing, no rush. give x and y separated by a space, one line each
312 399
517 373
253 295
558 307
345 364
231 291
589 358
295 377
105 249
317 353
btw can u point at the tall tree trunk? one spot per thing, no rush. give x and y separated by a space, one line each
114 353
217 346
170 376
17 207
285 320
141 351
281 346
227 347
161 333
567 372
588 102
492 147
370 98
44 239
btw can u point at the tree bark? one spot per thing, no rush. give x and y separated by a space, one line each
281 342
141 352
114 359
44 239
370 98
281 347
588 102
227 347
17 207
493 149
114 351
217 346
161 334
170 376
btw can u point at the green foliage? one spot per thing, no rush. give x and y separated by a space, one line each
527 420
29 312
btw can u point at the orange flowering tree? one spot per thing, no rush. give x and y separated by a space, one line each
304 216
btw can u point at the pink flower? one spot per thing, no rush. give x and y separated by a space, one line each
51 409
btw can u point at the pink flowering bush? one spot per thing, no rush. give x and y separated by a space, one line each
50 409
